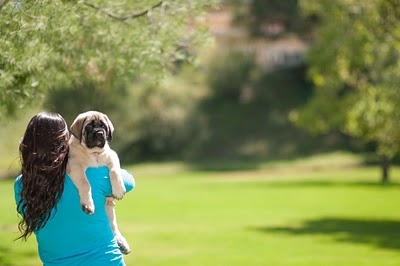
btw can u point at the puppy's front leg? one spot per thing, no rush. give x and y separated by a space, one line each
79 179
117 183
112 218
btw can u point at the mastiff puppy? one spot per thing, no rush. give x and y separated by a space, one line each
90 134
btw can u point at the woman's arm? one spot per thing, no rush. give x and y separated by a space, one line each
17 190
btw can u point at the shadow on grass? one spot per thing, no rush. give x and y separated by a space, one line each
380 233
323 183
222 165
305 161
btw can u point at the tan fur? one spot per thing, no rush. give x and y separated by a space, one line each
81 158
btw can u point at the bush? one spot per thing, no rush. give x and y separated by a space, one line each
152 120
70 102
162 121
229 73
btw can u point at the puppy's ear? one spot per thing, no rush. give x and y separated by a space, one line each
77 127
110 128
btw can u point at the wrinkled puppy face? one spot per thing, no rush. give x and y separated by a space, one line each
95 134
93 130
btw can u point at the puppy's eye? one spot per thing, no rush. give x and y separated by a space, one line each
103 125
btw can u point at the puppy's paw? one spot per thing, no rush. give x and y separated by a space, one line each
118 191
88 207
118 195
122 243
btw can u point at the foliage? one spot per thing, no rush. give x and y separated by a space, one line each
229 73
271 18
69 102
275 11
151 118
354 64
50 43
246 111
163 120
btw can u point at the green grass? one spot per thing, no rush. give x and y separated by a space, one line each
281 214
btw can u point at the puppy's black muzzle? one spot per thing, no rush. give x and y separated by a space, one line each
96 137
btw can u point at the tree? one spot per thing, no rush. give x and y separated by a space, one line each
354 65
50 43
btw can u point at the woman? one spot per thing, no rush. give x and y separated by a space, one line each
49 204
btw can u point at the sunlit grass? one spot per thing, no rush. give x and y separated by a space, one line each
286 215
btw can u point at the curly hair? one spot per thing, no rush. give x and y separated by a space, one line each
44 155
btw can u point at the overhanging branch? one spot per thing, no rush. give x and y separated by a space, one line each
123 18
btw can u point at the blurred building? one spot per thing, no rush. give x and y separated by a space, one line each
271 51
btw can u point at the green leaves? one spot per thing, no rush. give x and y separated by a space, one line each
354 64
53 43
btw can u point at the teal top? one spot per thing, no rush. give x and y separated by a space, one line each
71 237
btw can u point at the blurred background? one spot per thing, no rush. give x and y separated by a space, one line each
269 128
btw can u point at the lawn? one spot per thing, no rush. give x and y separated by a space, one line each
283 214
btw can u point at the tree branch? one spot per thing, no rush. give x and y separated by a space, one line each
145 12
122 18
110 14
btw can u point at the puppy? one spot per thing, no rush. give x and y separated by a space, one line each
91 133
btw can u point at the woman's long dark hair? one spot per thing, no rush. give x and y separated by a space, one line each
44 155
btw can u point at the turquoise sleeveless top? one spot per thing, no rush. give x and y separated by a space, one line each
71 237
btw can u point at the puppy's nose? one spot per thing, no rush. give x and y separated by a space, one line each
100 133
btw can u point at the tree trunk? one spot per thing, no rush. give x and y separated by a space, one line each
385 164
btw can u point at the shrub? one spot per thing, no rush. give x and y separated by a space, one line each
229 73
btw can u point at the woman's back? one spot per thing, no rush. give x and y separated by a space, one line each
71 237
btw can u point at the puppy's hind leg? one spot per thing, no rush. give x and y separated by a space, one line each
121 241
